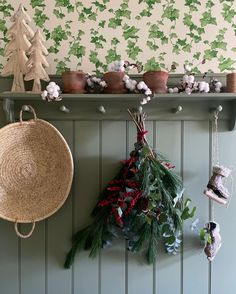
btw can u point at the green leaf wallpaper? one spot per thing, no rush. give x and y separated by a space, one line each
89 35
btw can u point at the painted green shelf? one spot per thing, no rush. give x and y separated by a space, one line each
129 97
86 106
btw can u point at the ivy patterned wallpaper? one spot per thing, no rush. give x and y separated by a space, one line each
89 35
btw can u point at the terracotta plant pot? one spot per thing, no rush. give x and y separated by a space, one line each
115 84
156 81
74 82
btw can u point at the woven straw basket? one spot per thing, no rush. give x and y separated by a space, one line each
36 171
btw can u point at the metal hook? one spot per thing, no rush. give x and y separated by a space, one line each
140 109
64 109
178 109
102 109
217 110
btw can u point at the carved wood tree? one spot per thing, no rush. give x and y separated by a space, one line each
19 33
37 62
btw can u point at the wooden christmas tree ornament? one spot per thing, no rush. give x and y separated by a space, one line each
37 62
19 34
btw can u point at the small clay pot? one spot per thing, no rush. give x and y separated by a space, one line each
115 83
231 83
156 81
74 82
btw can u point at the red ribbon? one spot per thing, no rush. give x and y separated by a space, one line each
141 135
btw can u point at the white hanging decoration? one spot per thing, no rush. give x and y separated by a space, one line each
19 34
37 62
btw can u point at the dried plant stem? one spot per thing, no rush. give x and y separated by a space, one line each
140 129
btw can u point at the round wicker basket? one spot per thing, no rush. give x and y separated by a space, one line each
36 171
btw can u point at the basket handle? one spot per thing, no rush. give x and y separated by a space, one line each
27 235
29 107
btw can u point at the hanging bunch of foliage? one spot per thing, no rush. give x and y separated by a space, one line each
144 202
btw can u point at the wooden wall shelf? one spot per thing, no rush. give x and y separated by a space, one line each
161 107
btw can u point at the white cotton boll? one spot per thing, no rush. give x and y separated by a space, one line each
187 67
117 63
144 101
50 90
191 79
140 85
148 92
176 90
57 87
89 83
44 94
121 68
134 82
201 86
185 78
53 84
132 87
56 94
171 90
48 87
218 85
121 63
145 87
195 86
206 88
148 98
188 91
217 90
103 84
125 78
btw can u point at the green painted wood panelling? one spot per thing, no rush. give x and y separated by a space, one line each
113 150
58 233
36 265
32 260
171 147
10 256
195 175
86 191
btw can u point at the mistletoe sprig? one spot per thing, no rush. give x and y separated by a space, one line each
143 202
